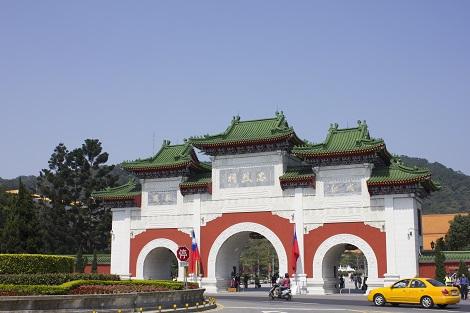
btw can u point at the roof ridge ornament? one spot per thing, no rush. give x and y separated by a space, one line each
235 119
166 143
279 114
333 126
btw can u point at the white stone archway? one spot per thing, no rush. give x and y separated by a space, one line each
159 251
328 252
225 251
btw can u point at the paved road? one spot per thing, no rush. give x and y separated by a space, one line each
258 302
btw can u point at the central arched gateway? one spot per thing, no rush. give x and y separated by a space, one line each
326 259
226 249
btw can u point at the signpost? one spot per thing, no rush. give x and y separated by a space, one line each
183 255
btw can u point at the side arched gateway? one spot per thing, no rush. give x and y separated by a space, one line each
326 259
225 252
155 260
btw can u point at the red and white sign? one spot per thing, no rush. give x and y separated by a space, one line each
182 253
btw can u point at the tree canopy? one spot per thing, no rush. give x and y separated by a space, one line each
458 235
75 221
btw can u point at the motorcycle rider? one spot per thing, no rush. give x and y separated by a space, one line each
284 283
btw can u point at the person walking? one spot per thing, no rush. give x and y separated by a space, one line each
245 281
341 282
463 280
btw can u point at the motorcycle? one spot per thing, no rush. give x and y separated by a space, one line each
277 292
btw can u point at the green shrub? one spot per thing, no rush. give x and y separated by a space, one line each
68 287
26 290
35 263
52 278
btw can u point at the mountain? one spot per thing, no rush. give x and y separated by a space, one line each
28 181
454 196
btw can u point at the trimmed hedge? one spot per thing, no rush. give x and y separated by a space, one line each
68 287
35 264
52 278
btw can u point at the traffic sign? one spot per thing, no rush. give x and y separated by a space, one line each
182 253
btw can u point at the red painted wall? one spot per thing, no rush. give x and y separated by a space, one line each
373 236
139 241
429 269
278 225
101 269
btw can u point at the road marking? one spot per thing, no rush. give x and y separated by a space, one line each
291 302
290 309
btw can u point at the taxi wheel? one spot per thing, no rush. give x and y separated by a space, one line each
379 300
426 302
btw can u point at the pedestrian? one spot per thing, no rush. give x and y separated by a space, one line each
245 281
237 281
463 280
448 280
359 281
341 282
364 285
355 281
257 284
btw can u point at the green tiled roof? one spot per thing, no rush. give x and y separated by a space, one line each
169 156
345 141
126 191
452 256
198 179
297 173
241 132
398 173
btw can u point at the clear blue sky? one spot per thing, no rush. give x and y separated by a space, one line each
121 71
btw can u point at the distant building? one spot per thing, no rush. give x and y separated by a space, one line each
435 226
35 196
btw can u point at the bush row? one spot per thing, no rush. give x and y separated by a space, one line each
69 287
51 278
35 263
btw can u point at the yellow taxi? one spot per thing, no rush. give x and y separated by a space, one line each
424 291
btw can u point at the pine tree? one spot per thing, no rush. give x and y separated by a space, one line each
463 269
21 231
69 181
80 261
94 263
439 260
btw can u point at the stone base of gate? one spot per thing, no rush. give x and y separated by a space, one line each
299 284
214 285
389 279
320 286
374 283
316 286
